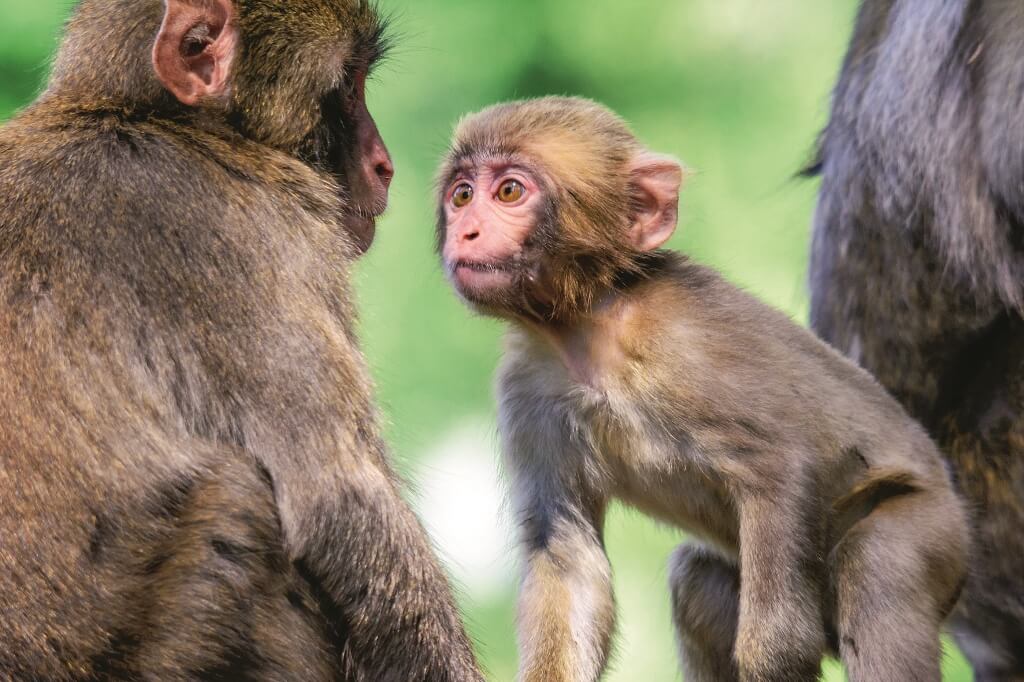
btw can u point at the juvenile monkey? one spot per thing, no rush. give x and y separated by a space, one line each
823 518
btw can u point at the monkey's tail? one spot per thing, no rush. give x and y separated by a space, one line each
867 494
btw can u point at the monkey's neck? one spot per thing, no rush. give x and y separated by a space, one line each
591 346
594 343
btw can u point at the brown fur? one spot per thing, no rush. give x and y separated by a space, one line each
823 516
193 479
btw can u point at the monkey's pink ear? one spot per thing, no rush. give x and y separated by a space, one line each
193 52
655 181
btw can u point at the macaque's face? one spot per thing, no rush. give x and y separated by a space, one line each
360 161
314 109
491 212
544 204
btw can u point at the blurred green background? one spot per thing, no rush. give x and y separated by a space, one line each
735 88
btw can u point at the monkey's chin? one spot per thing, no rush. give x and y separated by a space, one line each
361 231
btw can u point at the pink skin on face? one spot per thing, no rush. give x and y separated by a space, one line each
484 236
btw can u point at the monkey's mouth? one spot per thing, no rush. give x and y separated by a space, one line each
512 286
476 276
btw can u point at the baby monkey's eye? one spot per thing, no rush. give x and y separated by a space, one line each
511 191
463 195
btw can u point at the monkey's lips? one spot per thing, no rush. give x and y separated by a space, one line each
481 276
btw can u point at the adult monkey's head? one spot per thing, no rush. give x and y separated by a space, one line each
286 74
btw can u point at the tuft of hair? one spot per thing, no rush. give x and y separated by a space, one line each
581 151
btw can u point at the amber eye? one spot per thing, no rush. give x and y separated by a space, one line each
463 195
511 191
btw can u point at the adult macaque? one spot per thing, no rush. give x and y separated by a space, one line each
192 478
824 516
917 270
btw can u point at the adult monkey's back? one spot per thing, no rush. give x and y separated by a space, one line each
917 268
192 481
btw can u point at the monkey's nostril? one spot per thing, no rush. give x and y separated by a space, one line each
385 171
470 236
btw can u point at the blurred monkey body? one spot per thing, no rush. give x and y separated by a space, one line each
633 373
193 481
917 265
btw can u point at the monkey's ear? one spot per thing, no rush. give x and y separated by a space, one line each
193 52
655 181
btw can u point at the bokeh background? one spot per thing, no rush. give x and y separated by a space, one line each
735 88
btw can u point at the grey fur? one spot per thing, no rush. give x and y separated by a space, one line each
917 267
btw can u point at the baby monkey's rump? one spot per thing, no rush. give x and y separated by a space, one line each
824 519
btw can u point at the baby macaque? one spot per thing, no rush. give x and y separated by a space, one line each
822 517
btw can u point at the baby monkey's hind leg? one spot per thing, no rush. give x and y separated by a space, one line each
898 572
705 608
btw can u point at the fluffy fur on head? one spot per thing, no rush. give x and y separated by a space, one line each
580 152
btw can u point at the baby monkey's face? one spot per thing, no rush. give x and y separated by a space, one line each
492 208
546 205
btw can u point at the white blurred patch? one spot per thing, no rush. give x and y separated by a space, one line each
461 501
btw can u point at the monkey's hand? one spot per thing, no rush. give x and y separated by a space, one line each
781 636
